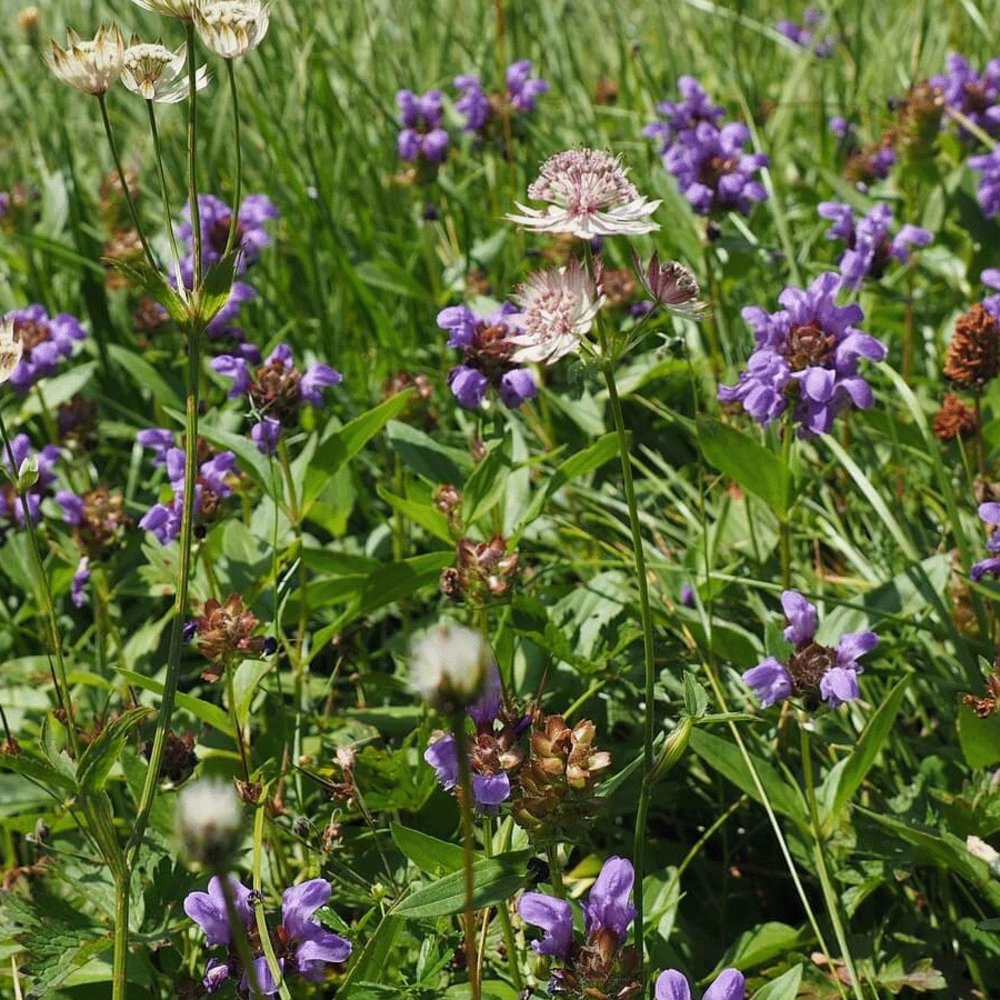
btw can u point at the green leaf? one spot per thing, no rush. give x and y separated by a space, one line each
978 738
495 880
695 696
749 464
156 285
216 287
104 750
763 943
38 770
436 857
727 759
846 777
256 465
785 987
435 462
427 516
210 714
375 955
146 376
487 483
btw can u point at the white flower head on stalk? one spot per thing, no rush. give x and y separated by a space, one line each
10 349
157 74
181 9
449 666
558 309
209 822
89 66
590 196
231 28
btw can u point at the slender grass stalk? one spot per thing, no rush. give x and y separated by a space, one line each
164 198
238 182
503 915
262 930
468 850
192 158
784 519
237 728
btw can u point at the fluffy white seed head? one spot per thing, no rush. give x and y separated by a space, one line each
449 666
209 822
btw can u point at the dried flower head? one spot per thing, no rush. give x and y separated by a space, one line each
231 28
209 823
225 635
974 352
156 73
955 420
589 194
481 571
89 66
450 666
10 349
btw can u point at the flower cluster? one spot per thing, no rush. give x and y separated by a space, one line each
212 485
989 513
868 245
712 170
481 111
813 671
11 506
805 34
302 946
157 74
276 390
481 571
488 347
423 135
216 217
975 96
225 635
600 966
806 356
988 191
44 341
863 164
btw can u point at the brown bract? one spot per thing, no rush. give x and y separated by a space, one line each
974 352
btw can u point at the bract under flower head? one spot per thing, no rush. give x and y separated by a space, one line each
590 196
558 309
670 285
89 66
231 28
450 666
157 74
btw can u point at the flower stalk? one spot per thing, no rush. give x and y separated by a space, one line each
468 850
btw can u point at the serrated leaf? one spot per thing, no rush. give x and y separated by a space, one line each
216 287
495 880
104 750
155 285
436 857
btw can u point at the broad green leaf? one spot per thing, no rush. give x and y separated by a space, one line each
374 956
427 457
763 943
250 459
845 779
436 857
104 750
38 770
427 516
495 879
216 287
749 464
146 376
210 714
785 987
725 757
978 738
487 483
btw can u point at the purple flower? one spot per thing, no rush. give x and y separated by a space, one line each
728 985
44 341
159 439
486 342
684 115
11 506
234 368
216 217
804 34
868 245
80 580
972 94
812 670
988 192
208 909
687 595
473 104
990 513
422 134
315 380
806 354
841 127
555 918
522 88
443 757
266 435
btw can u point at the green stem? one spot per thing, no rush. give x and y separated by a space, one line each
829 895
124 183
784 520
468 849
239 934
192 159
165 200
503 914
237 728
119 960
237 191
555 872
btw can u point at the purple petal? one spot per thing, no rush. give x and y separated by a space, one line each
839 685
672 985
318 947
801 617
490 790
854 644
443 757
315 380
300 902
554 916
608 905
730 984
484 711
990 512
770 681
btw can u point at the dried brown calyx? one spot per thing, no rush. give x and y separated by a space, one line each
224 633
955 420
974 352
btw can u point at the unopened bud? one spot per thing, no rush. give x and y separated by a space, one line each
209 823
673 749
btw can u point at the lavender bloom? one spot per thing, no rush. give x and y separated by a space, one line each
728 985
208 909
988 192
160 440
522 88
80 580
443 757
990 513
807 354
422 134
971 94
555 918
841 127
991 278
488 347
44 342
687 595
812 670
216 217
804 34
868 246
684 115
473 104
11 507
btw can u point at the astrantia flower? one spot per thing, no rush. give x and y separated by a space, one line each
11 349
450 666
209 823
422 135
181 9
488 347
868 246
990 514
807 355
813 671
558 309
590 196
728 985
156 73
89 66
670 285
231 28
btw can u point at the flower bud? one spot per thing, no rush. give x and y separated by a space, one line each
209 823
449 666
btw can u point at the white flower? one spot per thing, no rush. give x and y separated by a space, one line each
89 66
449 666
231 28
209 822
558 309
156 73
182 9
590 196
10 349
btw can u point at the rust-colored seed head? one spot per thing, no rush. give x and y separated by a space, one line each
974 352
955 420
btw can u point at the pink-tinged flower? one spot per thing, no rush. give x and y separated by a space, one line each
670 285
728 985
89 66
181 9
589 194
558 309
231 28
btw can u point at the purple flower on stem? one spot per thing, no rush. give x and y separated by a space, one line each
807 354
81 578
216 217
805 34
868 246
522 88
555 918
488 348
812 670
473 104
990 514
971 94
728 985
684 115
422 134
44 341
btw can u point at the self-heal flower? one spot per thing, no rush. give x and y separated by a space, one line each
972 94
807 356
422 135
988 192
558 309
589 195
812 671
156 73
990 514
727 985
231 28
44 341
216 217
89 66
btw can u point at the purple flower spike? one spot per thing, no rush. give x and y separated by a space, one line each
522 89
422 134
443 757
988 192
266 434
554 916
990 513
44 341
730 984
608 906
215 217
208 909
473 103
235 368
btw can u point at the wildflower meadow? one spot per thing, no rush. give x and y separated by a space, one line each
500 500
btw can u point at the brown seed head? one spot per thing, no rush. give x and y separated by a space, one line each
974 352
955 420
